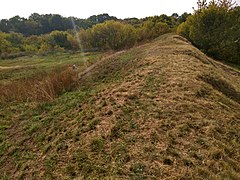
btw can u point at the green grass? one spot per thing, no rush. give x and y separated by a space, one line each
146 113
25 67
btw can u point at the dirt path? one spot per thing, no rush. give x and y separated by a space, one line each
16 67
11 67
105 58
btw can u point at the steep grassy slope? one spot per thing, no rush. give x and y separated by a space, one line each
162 110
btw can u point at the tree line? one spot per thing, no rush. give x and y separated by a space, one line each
37 24
215 29
103 32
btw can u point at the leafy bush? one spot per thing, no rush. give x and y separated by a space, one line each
60 39
215 28
112 35
45 88
151 30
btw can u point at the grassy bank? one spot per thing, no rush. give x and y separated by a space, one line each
162 110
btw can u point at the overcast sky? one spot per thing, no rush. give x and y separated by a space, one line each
86 8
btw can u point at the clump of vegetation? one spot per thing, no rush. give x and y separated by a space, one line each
37 24
97 145
43 88
215 29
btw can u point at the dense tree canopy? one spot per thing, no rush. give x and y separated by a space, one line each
112 35
38 24
215 28
51 32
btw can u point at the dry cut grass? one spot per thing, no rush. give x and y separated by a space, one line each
162 110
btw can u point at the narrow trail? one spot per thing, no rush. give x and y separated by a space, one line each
15 67
104 58
11 67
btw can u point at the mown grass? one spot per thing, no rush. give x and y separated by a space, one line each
146 113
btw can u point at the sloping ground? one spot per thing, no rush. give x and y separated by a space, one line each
162 110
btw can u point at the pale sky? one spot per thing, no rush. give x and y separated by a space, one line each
86 8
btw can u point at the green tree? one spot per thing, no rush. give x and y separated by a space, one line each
152 29
4 43
16 40
6 47
32 44
112 35
60 39
214 28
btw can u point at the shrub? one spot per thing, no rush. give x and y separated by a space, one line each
215 29
112 35
45 88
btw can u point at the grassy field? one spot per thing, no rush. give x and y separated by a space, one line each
162 110
25 67
42 77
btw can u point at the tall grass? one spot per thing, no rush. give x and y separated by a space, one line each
45 87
